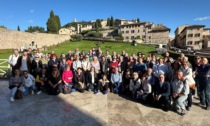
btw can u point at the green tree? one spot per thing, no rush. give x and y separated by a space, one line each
53 23
35 29
52 26
98 22
108 22
138 20
1 26
18 28
112 21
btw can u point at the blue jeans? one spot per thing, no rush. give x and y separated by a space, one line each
71 86
28 90
13 91
180 102
205 93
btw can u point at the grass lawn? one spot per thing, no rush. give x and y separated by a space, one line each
87 45
111 46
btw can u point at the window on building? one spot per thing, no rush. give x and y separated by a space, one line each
196 42
197 35
132 37
132 31
127 37
149 37
143 36
189 43
122 32
190 35
143 30
138 31
127 31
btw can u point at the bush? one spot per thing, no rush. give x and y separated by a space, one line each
94 34
77 37
119 37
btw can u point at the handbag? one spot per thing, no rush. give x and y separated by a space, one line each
18 94
192 86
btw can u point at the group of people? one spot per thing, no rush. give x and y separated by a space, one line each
161 82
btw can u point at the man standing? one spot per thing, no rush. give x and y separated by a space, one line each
204 86
13 59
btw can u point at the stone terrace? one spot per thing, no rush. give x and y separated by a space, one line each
87 109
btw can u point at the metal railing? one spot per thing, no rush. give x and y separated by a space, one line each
5 68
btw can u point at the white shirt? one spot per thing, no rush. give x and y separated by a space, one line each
92 76
86 65
40 54
13 59
77 64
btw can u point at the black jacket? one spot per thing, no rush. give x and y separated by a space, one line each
165 90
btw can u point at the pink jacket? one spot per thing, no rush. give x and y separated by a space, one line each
67 76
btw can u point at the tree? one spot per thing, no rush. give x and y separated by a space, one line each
1 26
52 26
18 28
98 22
53 23
32 29
108 22
112 21
138 20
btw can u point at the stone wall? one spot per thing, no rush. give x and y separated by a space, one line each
16 39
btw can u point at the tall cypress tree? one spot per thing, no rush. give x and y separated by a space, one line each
53 23
18 28
112 21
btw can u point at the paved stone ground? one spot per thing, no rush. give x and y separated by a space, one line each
86 109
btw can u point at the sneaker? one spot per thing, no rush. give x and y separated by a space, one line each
39 92
105 92
32 92
201 104
12 99
96 93
188 108
182 112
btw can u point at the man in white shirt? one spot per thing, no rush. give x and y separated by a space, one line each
13 59
29 83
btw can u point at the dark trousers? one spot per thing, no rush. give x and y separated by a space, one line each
103 88
164 100
202 91
55 91
205 93
114 87
189 98
79 88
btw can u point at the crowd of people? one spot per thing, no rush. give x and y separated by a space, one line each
164 83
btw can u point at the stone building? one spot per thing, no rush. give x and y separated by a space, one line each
195 36
67 31
149 33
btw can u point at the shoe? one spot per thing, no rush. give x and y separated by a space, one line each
208 108
201 104
12 99
182 112
96 93
39 92
188 108
105 92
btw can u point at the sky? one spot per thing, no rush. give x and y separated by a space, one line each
171 13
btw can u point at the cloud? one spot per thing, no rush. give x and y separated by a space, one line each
202 18
30 21
31 11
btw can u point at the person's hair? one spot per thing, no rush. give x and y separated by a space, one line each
55 72
185 62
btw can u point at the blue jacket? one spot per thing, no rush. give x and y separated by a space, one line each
203 71
165 90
